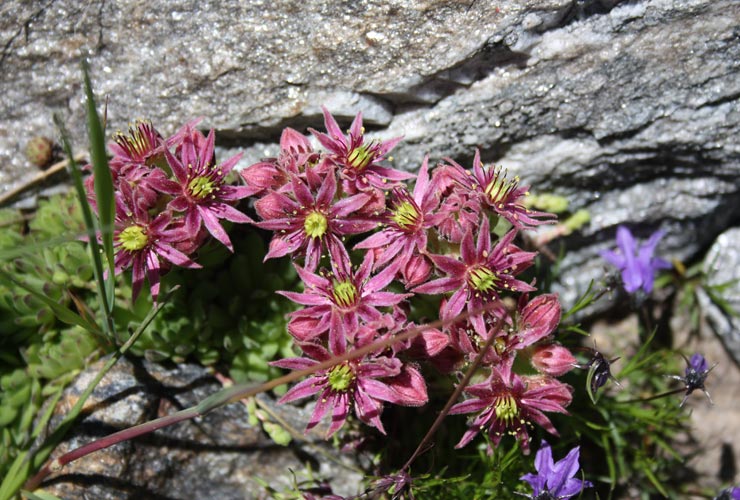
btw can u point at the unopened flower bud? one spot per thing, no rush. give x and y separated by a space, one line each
553 359
431 342
416 271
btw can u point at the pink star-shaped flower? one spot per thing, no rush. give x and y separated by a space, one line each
481 275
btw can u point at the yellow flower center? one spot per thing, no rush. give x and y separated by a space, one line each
483 279
360 157
405 215
200 187
341 377
499 188
345 293
499 345
133 238
315 225
140 142
506 409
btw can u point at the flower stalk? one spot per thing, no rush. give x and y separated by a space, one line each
226 396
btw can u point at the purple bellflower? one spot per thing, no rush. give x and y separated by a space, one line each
729 494
637 265
554 480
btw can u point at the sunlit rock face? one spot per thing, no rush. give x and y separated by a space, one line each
628 108
218 455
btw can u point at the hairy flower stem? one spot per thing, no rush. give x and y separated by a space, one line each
241 391
451 401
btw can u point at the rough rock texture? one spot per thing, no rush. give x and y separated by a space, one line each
722 266
629 108
219 455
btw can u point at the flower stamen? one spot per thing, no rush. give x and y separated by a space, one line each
483 279
499 188
201 187
361 156
133 238
406 215
315 225
345 293
341 377
506 409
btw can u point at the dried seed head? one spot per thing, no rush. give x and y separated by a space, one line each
40 151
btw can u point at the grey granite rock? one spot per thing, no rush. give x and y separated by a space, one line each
219 455
722 267
628 108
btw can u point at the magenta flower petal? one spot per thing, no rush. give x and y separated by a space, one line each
509 403
304 389
201 185
357 159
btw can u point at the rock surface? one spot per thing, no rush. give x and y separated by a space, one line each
722 267
631 109
220 455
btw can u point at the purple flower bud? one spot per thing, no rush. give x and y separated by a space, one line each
695 375
697 363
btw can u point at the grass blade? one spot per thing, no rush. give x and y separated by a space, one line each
90 224
58 434
103 182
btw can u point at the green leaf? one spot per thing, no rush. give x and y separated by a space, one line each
638 359
15 477
39 495
653 479
588 297
35 247
277 433
103 180
589 378
62 427
104 296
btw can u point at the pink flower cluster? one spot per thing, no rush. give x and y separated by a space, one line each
169 195
327 207
365 247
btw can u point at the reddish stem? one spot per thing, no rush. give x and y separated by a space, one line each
238 392
456 394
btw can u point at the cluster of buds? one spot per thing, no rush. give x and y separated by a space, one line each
328 207
170 194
